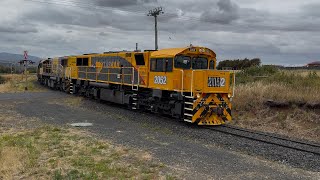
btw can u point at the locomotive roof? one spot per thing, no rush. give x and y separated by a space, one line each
168 52
43 60
171 52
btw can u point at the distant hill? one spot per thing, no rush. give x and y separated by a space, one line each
9 57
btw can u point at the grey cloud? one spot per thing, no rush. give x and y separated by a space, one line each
226 5
225 14
124 19
17 28
168 16
148 1
116 3
122 3
232 30
53 15
103 34
311 10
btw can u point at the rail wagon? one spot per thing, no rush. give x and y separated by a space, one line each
181 82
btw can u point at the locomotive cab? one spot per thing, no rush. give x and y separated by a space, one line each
191 72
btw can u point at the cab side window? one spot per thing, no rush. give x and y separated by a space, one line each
64 62
139 59
161 65
82 61
211 64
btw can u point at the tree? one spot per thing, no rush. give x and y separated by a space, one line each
238 64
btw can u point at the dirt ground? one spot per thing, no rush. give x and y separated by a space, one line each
188 152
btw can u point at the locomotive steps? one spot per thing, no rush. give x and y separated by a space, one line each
188 108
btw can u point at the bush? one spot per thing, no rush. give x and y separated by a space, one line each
271 74
295 80
239 64
5 69
252 74
2 80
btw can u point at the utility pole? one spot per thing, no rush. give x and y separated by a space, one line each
155 13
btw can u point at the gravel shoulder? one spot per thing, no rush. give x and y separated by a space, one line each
190 151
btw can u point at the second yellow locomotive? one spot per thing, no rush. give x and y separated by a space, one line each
181 82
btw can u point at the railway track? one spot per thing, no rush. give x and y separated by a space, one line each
307 147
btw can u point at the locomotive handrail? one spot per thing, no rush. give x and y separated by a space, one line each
86 72
234 84
182 81
68 72
132 78
191 91
60 70
191 94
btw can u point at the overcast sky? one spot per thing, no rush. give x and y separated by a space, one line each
279 32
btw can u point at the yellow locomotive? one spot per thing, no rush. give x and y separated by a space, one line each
181 82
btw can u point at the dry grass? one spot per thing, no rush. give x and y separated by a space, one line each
16 83
12 161
303 73
68 101
250 110
73 102
254 94
32 150
51 152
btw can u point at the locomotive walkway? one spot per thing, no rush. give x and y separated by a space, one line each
195 153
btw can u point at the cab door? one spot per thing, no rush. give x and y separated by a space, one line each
161 75
143 67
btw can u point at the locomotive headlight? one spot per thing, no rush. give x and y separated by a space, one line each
198 95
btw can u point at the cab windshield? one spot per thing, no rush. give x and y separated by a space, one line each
186 62
183 62
199 63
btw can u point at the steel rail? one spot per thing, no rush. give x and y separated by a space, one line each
223 128
272 136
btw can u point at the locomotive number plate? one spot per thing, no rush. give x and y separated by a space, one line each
160 79
216 82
